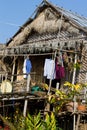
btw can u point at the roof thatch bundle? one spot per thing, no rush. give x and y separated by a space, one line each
72 29
40 25
48 19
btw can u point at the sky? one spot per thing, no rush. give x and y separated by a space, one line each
14 13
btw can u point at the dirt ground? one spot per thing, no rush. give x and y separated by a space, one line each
82 126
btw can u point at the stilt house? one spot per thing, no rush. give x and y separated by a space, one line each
50 32
47 32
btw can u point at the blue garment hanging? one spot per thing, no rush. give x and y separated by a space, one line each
28 66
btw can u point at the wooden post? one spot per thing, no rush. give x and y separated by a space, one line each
78 121
13 71
26 100
50 82
73 81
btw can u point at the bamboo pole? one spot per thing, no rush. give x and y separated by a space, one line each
13 71
27 89
53 65
73 81
78 121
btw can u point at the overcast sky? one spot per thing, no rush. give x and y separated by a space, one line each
14 13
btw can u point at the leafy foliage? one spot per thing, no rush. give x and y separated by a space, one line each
33 123
50 122
6 122
61 97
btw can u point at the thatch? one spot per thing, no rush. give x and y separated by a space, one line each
46 22
2 66
72 29
39 25
2 46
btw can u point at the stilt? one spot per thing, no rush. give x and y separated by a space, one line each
26 100
13 71
74 98
78 121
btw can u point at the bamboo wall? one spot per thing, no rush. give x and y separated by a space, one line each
83 71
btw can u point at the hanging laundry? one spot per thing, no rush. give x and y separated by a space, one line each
60 72
49 69
27 66
59 68
24 69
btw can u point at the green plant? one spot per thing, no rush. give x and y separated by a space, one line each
61 97
36 123
73 89
50 122
57 100
33 122
77 65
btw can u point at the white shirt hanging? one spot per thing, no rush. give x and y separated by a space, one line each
24 68
49 68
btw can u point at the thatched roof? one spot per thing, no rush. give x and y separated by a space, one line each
2 46
49 19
